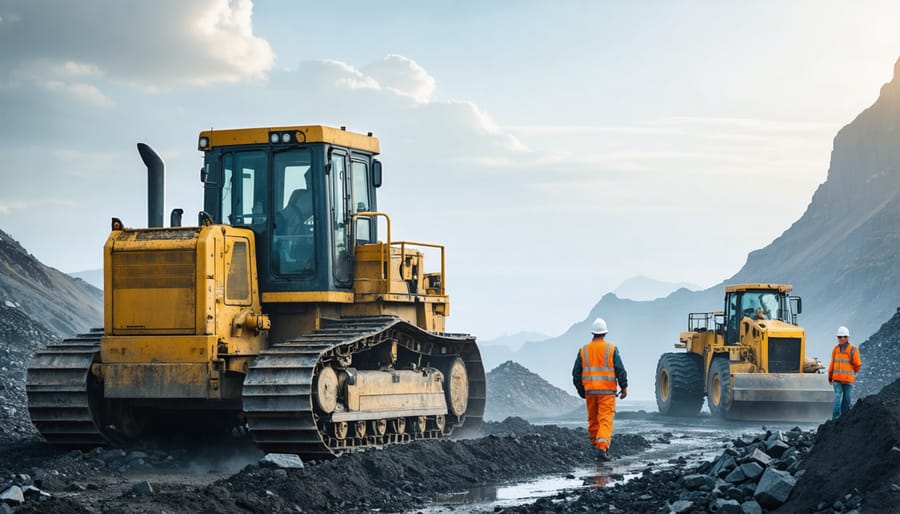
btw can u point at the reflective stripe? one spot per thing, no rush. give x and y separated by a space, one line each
601 439
598 373
843 364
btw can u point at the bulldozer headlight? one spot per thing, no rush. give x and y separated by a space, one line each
273 137
286 137
204 142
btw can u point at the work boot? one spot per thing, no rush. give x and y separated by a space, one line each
603 456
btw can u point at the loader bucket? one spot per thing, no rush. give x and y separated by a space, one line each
780 396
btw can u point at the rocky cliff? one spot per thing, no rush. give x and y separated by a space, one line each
512 390
63 304
842 256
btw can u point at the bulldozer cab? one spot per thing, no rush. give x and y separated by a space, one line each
297 189
757 302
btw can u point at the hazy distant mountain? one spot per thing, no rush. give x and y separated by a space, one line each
513 390
57 301
645 288
93 277
842 256
498 350
514 341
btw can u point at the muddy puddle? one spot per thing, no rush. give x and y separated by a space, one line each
675 443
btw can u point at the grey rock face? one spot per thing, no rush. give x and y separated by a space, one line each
682 506
751 507
142 488
12 496
281 460
698 481
774 488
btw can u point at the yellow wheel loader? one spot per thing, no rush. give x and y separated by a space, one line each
748 361
284 311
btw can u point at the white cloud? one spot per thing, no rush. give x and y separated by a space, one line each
152 45
7 207
403 76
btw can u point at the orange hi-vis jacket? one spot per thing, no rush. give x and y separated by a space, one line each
598 373
844 364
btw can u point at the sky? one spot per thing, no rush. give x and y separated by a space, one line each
556 148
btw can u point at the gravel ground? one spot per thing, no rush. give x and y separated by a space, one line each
749 473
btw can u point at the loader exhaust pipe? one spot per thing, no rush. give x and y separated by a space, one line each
156 184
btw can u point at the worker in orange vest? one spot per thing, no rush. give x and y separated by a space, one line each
842 371
597 369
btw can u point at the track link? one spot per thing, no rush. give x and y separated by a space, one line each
62 393
278 389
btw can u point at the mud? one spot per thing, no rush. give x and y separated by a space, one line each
395 479
657 471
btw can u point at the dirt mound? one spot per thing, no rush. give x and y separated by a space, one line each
859 453
513 390
20 337
890 392
880 356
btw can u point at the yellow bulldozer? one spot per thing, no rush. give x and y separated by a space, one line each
283 312
748 361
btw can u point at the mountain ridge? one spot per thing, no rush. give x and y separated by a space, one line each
63 304
841 256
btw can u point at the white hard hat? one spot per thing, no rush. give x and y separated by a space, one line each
843 332
599 327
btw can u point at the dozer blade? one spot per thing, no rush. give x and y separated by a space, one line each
781 396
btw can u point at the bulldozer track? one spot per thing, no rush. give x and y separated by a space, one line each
61 389
278 392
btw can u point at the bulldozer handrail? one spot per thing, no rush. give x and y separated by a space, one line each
429 245
385 251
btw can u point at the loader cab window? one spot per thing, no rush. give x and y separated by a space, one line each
756 305
293 242
761 306
244 190
732 319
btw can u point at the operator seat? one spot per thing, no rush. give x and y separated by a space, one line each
296 248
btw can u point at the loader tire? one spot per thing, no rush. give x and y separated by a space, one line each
719 388
679 384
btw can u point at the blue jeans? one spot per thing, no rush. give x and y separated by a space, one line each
842 394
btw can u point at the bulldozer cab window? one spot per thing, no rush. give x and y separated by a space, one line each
244 190
359 173
293 243
340 216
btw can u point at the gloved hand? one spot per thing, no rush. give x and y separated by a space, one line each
581 392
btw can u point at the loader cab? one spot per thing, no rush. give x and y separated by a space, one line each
759 302
297 189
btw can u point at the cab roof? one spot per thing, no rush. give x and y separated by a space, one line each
299 133
739 288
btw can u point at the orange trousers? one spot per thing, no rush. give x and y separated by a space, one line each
601 408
